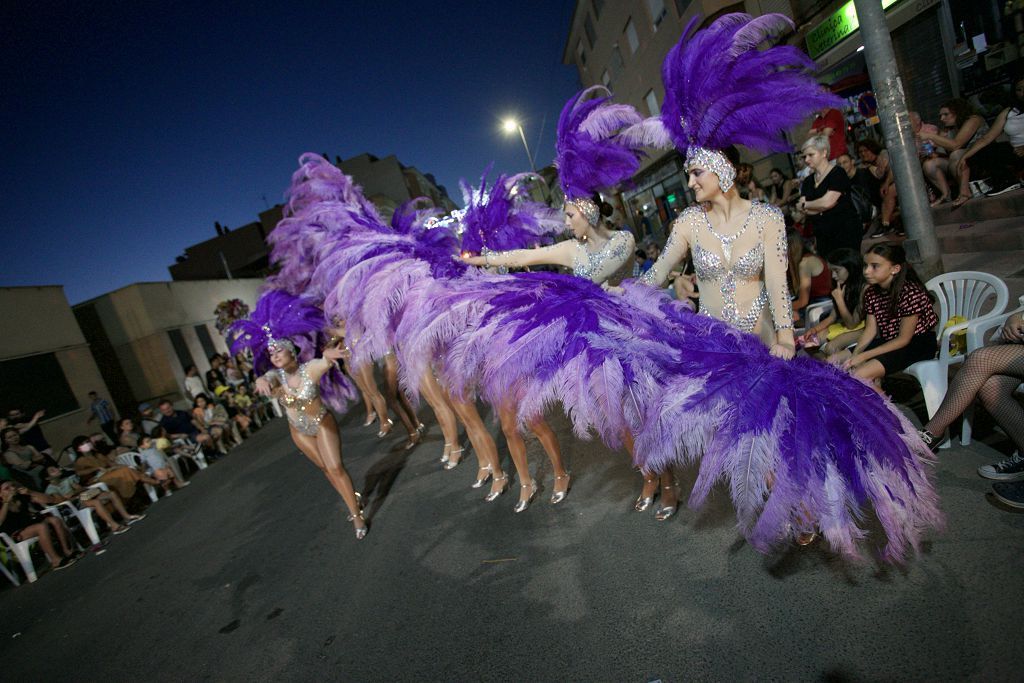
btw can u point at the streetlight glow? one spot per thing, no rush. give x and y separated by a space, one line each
510 125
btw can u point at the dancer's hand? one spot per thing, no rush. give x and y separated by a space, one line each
334 354
474 260
783 350
263 387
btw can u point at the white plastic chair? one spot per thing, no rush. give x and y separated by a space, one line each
82 515
977 334
21 550
964 293
816 312
134 460
196 455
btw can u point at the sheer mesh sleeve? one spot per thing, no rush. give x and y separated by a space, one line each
776 262
675 251
520 258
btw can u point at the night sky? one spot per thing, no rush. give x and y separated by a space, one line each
128 128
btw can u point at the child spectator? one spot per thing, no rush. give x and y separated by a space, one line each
810 280
254 411
158 465
242 421
900 321
840 328
93 466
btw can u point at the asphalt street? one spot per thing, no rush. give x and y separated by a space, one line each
253 574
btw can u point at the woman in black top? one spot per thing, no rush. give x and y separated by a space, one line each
825 198
21 523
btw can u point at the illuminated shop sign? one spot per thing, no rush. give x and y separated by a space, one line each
837 26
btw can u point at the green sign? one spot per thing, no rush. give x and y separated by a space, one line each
837 26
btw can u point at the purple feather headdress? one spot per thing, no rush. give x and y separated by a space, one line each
279 319
721 90
502 218
591 153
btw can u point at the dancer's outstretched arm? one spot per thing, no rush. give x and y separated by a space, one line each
560 254
676 249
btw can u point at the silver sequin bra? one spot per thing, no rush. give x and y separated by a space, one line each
710 267
298 400
603 263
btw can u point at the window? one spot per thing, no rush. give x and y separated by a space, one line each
588 26
203 332
681 6
616 59
180 348
598 6
657 10
606 79
37 383
580 54
631 37
652 103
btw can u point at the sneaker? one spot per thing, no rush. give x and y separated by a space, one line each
930 440
1009 188
121 530
882 231
1011 494
64 564
900 232
98 549
136 518
1011 469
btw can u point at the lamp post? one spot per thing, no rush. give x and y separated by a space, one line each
510 126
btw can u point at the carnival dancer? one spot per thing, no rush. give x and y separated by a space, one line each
284 332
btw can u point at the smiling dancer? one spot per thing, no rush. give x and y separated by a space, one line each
284 332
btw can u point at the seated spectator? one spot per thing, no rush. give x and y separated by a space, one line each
876 161
1002 162
215 376
147 418
31 433
212 418
69 488
23 460
864 189
961 128
639 259
158 465
745 183
810 280
179 425
255 410
233 374
128 435
242 422
842 326
245 367
172 448
193 383
20 522
781 191
92 467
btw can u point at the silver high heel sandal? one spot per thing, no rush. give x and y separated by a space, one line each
454 461
365 529
666 511
446 453
486 469
493 495
421 428
521 504
387 422
558 496
643 502
370 417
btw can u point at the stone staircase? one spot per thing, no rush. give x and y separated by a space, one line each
985 234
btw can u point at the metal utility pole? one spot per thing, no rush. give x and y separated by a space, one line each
922 245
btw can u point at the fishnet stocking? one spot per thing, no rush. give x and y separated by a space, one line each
990 373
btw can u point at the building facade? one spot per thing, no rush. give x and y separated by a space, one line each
46 364
144 336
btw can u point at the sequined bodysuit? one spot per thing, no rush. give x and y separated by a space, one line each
605 264
301 403
742 289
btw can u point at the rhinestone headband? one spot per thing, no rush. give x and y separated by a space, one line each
590 210
714 161
274 345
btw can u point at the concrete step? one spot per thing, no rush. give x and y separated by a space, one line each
982 208
991 235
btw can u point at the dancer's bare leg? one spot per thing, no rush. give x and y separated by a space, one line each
371 413
483 445
549 441
393 391
517 449
651 479
376 398
324 451
438 400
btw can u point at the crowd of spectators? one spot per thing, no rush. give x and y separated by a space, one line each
114 472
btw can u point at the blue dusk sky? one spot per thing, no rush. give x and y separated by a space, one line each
128 128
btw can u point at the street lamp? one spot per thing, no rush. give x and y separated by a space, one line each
510 126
